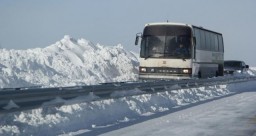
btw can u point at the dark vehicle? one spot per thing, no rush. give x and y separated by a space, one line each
231 66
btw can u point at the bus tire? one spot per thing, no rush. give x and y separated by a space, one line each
217 74
199 75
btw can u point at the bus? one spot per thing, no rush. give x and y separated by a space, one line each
179 51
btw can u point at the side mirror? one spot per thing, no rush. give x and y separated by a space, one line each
138 36
246 66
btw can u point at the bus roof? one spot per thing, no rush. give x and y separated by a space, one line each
181 24
168 23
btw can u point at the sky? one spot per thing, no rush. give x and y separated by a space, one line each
39 23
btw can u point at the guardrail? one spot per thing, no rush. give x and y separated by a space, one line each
18 99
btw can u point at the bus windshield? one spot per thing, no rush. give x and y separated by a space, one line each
166 41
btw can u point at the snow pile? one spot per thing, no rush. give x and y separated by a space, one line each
89 117
68 62
252 71
249 72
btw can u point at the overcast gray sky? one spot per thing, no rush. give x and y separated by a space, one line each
38 23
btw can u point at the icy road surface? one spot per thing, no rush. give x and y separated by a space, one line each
229 116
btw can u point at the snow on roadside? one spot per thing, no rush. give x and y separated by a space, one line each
87 116
68 62
252 71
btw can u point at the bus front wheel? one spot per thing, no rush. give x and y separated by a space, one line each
217 74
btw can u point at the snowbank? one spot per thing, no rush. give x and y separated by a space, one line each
68 62
252 71
87 117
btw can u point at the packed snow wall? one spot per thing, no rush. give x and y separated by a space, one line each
68 62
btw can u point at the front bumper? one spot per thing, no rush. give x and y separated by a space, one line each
163 76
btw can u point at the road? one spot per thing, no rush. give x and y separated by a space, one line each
230 116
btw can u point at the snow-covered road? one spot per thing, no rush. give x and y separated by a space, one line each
229 116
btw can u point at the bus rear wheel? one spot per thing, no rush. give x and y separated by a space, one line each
199 75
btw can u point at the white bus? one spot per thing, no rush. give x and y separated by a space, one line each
179 51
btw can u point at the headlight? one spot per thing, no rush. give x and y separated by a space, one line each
239 71
152 70
186 71
143 69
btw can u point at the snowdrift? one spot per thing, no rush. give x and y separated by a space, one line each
94 118
68 62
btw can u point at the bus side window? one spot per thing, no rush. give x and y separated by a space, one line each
220 40
197 38
216 46
208 41
202 40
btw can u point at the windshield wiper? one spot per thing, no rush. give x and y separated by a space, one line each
148 57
